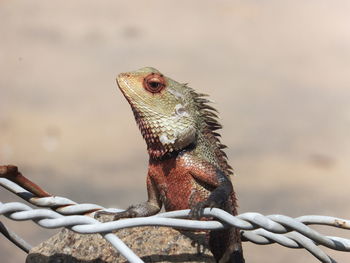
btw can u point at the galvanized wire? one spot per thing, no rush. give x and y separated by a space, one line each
259 229
14 238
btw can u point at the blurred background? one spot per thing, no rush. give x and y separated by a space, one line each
278 72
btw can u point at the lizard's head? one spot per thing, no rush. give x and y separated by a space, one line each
164 110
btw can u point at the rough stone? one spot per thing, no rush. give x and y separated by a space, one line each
152 244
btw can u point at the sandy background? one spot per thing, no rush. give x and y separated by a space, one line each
278 71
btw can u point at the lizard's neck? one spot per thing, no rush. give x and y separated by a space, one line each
157 151
155 154
164 135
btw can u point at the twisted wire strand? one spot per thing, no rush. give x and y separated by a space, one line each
259 229
87 225
20 212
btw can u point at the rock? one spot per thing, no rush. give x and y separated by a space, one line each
152 244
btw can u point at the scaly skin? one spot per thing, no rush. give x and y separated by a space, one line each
187 166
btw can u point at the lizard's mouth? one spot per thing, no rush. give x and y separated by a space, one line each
120 82
125 88
123 81
126 84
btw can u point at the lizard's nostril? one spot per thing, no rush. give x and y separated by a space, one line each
123 75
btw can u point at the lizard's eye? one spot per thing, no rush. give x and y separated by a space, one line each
154 83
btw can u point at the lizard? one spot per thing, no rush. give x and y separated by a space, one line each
188 167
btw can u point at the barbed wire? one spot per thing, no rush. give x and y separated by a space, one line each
256 228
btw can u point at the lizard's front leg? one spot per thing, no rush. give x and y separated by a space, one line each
151 207
221 188
218 198
224 244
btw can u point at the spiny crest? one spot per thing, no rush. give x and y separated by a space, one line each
209 129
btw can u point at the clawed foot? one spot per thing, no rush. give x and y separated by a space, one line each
143 209
197 211
100 213
116 215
